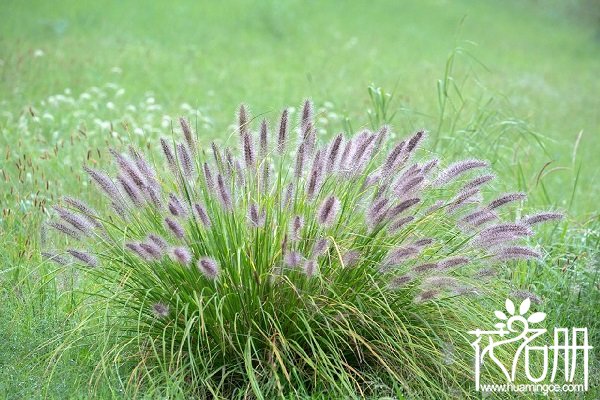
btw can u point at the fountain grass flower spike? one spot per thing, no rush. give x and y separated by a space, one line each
300 266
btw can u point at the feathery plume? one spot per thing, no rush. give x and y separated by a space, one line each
414 141
239 173
516 252
128 168
137 249
131 190
485 273
402 206
479 181
377 211
84 257
181 255
202 214
208 267
310 268
505 199
452 262
187 165
243 121
501 233
390 163
104 183
76 221
423 242
316 176
176 207
431 164
344 159
224 194
256 217
395 226
524 294
152 250
427 295
328 211
144 167
175 228
381 136
160 310
409 186
283 132
334 150
296 225
541 217
458 168
265 181
264 139
400 255
398 282
463 198
208 178
84 209
350 258
440 281
158 241
421 268
288 196
188 135
307 113
320 247
292 259
248 144
169 156
300 154
60 260
62 228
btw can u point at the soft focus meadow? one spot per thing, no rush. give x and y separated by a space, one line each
293 270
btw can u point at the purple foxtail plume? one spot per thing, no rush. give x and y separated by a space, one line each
152 250
243 121
328 211
501 233
440 281
485 273
362 153
479 181
431 164
64 229
239 173
60 260
169 156
187 165
288 196
146 170
395 226
412 184
202 215
188 135
217 155
296 225
377 211
320 247
128 168
176 207
175 228
452 262
84 257
181 255
398 282
505 199
131 190
434 207
423 242
307 113
334 151
256 217
152 195
541 217
402 206
138 251
414 141
292 259
104 183
516 253
265 181
208 267
84 209
248 144
400 255
524 294
78 222
390 163
300 154
160 310
310 139
350 258
458 168
427 295
310 268
421 268
316 176
372 179
229 163
224 195
283 132
463 198
344 159
158 241
208 178
264 139
477 215
382 135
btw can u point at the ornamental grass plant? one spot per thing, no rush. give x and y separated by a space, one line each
291 266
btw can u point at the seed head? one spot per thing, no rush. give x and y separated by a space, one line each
427 295
505 199
400 281
248 144
458 168
152 250
60 260
320 247
181 255
296 225
137 249
541 217
414 141
202 215
243 121
292 259
175 228
310 268
256 217
350 258
283 132
131 190
328 211
395 226
524 294
84 209
166 148
208 267
187 134
104 183
84 257
344 159
334 151
452 262
422 268
479 181
264 139
516 253
187 165
299 161
77 221
158 241
128 168
64 229
390 162
176 207
224 195
160 310
208 178
402 206
307 113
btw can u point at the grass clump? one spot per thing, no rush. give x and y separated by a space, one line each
291 267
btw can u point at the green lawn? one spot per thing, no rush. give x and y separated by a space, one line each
514 82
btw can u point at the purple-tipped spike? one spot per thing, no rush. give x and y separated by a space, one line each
288 196
158 240
402 206
187 165
422 268
77 221
351 258
479 181
452 262
541 217
60 260
264 139
344 159
307 113
256 217
128 168
398 282
160 310
243 121
310 268
176 207
208 267
457 169
283 132
181 255
84 257
188 135
166 148
463 198
86 210
208 178
202 215
427 295
390 162
334 151
320 247
400 255
381 137
175 228
296 225
248 144
131 190
299 169
316 176
328 211
224 195
62 228
414 141
292 259
524 294
104 183
137 249
505 199
516 253
152 250
395 226
430 165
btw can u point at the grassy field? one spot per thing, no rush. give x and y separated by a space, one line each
513 82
